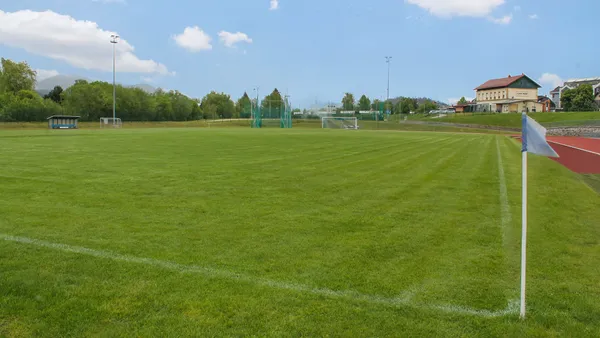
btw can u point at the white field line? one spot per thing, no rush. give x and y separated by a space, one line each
402 301
506 216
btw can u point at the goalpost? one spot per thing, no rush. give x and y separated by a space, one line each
339 123
109 122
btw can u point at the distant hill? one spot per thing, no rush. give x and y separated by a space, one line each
65 81
420 100
145 87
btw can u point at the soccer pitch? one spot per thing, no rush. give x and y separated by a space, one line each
180 232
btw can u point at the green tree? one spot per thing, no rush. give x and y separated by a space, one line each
462 100
348 102
16 76
406 105
272 105
388 106
91 101
182 106
364 103
243 106
217 105
578 99
196 110
376 105
55 94
427 106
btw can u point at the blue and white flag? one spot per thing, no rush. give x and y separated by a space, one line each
534 138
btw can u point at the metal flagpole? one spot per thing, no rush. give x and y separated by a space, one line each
524 218
114 40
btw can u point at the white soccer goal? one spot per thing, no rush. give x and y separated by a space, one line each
339 122
109 122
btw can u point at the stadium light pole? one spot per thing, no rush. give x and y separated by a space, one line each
114 39
388 60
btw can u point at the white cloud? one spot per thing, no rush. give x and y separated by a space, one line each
505 20
81 44
552 80
43 74
274 5
230 39
534 17
193 39
449 8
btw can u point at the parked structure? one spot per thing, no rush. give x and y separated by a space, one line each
556 94
509 94
62 122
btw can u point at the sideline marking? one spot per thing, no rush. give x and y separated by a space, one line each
403 300
504 207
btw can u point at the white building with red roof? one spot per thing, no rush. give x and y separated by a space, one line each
509 94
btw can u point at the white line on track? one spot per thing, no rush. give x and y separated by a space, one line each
573 147
401 301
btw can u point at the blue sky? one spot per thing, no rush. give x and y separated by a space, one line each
313 50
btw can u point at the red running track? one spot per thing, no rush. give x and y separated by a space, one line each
580 154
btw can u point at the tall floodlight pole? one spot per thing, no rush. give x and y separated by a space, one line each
388 60
114 39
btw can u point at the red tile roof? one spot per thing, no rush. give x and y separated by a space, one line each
499 83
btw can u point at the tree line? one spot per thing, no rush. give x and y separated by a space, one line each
92 100
401 105
579 99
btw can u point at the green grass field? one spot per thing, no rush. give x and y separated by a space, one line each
513 120
301 124
238 232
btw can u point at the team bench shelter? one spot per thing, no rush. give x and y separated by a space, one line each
63 122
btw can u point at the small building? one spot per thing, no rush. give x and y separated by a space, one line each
465 108
556 94
63 122
509 94
547 104
460 108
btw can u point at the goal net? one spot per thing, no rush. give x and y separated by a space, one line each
109 122
339 122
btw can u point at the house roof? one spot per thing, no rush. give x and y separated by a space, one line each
587 79
64 117
543 98
503 82
556 90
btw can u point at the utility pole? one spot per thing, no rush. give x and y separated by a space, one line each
114 39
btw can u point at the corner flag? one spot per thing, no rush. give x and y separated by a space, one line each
534 138
534 141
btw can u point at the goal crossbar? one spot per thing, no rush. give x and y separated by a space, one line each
109 122
339 123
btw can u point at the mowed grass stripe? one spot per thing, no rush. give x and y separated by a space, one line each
449 271
275 211
408 217
401 301
362 240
